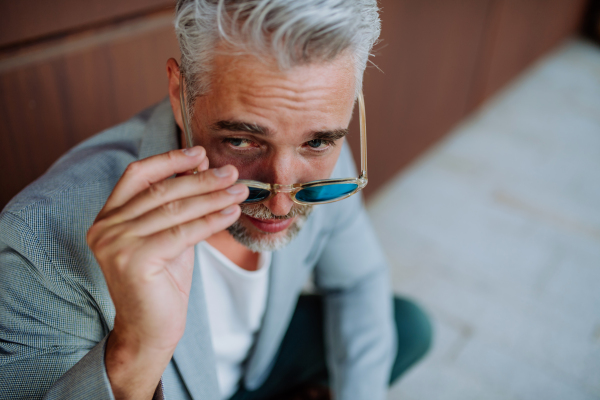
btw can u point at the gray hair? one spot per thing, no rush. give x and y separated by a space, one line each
293 32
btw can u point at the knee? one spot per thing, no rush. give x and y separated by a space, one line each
414 333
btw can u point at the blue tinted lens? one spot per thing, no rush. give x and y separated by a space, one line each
257 194
317 194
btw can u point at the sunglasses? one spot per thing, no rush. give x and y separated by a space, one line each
315 192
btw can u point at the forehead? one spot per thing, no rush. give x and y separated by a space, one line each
244 83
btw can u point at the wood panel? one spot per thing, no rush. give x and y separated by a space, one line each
439 59
520 32
24 20
428 56
53 102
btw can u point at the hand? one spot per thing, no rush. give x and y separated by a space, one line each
143 240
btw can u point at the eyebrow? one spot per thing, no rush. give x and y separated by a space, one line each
329 135
239 126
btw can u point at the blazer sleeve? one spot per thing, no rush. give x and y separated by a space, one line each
52 337
353 275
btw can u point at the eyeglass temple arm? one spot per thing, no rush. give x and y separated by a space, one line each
186 128
363 136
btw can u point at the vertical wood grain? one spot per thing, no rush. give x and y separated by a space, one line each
522 31
23 20
428 56
439 60
49 105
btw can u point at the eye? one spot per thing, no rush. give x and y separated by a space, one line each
239 143
319 143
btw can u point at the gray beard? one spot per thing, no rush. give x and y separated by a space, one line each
260 242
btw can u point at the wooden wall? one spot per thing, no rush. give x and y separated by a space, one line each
69 69
441 59
72 69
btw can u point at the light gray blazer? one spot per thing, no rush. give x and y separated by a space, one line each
56 312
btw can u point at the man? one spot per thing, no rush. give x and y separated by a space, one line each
130 270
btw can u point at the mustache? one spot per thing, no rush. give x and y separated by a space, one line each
261 211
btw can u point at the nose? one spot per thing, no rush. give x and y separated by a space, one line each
282 170
280 204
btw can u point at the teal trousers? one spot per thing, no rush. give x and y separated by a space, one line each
301 357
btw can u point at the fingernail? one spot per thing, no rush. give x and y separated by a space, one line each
222 172
236 189
192 151
229 210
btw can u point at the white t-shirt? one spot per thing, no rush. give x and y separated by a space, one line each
236 300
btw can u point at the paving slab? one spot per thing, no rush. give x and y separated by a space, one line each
496 232
502 370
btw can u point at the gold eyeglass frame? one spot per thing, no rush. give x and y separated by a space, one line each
293 189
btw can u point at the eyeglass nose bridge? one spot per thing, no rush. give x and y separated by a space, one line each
277 188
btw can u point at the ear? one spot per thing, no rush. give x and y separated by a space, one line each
174 75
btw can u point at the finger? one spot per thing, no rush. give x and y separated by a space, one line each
139 175
185 210
170 243
170 190
202 167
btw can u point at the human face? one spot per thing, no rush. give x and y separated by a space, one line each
276 127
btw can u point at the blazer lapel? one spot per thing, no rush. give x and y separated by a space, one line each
194 355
